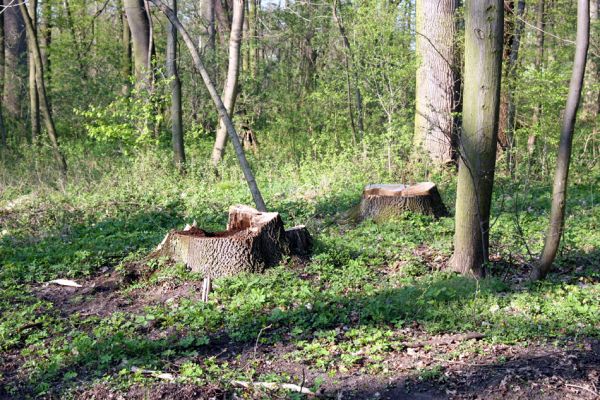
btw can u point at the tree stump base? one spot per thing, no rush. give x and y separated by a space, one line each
381 201
252 242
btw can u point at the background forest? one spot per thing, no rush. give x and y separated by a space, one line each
99 158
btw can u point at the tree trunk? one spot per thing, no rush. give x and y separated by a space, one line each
15 60
224 25
348 64
252 242
539 60
34 108
436 76
46 32
477 145
233 136
41 87
3 138
591 100
125 52
173 74
207 33
139 26
559 190
382 202
509 126
231 82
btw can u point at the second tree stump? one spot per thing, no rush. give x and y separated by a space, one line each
381 201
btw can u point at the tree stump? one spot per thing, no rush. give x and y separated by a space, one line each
381 202
252 242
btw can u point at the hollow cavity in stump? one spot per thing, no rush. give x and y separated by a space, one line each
381 201
252 242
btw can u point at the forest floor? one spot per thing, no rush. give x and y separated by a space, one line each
372 314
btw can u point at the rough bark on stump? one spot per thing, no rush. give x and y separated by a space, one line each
252 242
380 201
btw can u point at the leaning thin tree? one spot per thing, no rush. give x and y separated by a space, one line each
559 191
477 144
233 136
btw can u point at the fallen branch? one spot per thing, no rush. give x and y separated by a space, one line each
155 374
65 282
273 386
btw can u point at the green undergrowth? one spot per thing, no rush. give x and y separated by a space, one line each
347 309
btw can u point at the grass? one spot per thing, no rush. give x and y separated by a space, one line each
348 309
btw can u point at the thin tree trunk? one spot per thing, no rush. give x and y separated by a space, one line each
39 75
125 52
3 138
224 26
34 109
139 26
76 41
173 74
590 100
559 190
436 76
231 82
207 33
235 140
477 145
539 60
255 41
46 32
348 63
511 75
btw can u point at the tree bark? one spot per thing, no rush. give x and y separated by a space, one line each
559 190
34 108
477 145
139 26
436 77
173 74
41 87
231 82
15 61
233 136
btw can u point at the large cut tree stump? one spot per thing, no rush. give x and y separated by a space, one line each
382 202
252 242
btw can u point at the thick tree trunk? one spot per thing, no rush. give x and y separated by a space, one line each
559 190
15 60
176 117
41 87
233 136
382 202
252 242
436 77
231 82
477 145
34 108
139 26
540 25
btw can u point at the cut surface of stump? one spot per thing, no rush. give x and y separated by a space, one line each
384 201
252 242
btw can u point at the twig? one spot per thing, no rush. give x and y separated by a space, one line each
596 395
258 337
